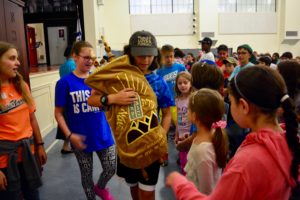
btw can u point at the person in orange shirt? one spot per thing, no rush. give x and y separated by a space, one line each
19 131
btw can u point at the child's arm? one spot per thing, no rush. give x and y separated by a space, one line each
166 118
185 145
3 181
76 139
231 186
123 97
183 188
42 156
176 135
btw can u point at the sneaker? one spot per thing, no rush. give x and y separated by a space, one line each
65 151
103 193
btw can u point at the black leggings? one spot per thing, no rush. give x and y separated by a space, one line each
85 160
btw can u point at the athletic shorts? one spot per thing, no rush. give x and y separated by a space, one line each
134 177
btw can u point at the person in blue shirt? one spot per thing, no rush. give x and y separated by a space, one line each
169 71
85 126
237 134
244 56
69 65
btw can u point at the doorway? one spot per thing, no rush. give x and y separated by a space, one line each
58 42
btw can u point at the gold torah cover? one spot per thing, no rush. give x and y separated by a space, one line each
139 137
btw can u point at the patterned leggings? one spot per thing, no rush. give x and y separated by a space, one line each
85 160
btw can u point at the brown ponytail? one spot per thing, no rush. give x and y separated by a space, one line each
209 107
220 142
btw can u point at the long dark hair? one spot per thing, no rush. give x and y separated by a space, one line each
18 80
290 71
265 88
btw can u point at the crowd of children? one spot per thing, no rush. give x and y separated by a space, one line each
236 121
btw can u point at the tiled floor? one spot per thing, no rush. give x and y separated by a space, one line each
61 177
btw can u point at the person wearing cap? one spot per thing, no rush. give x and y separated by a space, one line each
222 55
205 47
230 63
142 52
236 134
244 54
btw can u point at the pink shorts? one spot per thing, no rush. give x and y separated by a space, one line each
183 160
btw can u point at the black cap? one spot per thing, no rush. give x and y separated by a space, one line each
206 40
143 43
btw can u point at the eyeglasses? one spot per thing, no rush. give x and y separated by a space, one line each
88 58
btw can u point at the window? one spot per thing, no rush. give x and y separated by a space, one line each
160 6
183 6
247 6
266 5
140 6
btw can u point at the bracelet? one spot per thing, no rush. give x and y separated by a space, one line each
69 136
40 144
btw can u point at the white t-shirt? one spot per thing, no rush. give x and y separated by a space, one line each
273 66
207 56
202 168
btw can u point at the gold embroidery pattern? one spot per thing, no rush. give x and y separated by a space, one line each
121 119
140 128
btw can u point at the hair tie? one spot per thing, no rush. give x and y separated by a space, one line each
285 97
220 124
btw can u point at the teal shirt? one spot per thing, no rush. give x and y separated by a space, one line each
237 69
67 67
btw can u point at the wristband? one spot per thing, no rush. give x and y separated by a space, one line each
40 144
104 100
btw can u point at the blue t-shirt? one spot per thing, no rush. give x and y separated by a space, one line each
161 89
67 67
169 74
71 93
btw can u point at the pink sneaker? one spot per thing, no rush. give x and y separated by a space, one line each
103 193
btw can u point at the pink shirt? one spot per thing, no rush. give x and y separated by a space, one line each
259 170
183 122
